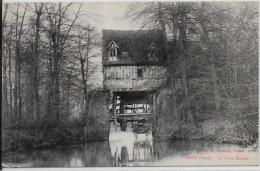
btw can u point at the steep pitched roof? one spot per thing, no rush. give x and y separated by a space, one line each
112 42
135 42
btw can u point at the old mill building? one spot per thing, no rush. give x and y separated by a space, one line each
133 69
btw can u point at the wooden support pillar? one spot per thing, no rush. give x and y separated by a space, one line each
114 108
154 104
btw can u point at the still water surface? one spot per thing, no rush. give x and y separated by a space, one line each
129 149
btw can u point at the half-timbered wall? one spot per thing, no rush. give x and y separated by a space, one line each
127 77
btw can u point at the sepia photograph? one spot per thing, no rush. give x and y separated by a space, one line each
130 84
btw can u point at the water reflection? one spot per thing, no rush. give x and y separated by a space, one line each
125 148
90 154
97 154
142 151
130 149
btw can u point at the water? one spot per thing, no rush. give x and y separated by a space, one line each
129 149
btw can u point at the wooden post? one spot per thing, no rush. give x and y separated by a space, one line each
154 103
114 108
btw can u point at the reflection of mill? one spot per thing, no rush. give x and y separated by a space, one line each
141 152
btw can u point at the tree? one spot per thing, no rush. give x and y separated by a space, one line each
84 49
4 65
17 88
205 45
58 33
36 99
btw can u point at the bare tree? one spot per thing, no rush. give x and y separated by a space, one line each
57 39
84 48
4 63
36 99
17 88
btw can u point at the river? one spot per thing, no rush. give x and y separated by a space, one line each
129 149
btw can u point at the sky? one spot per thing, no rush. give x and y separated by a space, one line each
102 15
110 15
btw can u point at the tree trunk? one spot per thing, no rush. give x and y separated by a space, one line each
182 49
18 96
36 100
56 91
19 86
49 87
5 109
10 82
84 74
55 82
87 72
68 94
4 88
83 77
16 66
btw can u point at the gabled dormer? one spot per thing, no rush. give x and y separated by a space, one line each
112 51
132 47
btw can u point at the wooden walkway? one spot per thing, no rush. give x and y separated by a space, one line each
132 117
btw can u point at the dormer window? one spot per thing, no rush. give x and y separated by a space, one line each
112 51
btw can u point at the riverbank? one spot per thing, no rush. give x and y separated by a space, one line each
34 137
124 148
198 119
218 131
20 138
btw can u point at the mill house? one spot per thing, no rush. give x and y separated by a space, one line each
133 69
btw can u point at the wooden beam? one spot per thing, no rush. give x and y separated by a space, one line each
154 103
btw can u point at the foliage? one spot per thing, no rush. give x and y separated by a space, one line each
212 51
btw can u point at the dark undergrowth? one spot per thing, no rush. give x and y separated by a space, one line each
219 131
231 124
21 138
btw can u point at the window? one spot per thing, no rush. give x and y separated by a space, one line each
112 51
139 72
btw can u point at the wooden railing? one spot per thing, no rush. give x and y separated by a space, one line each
133 114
